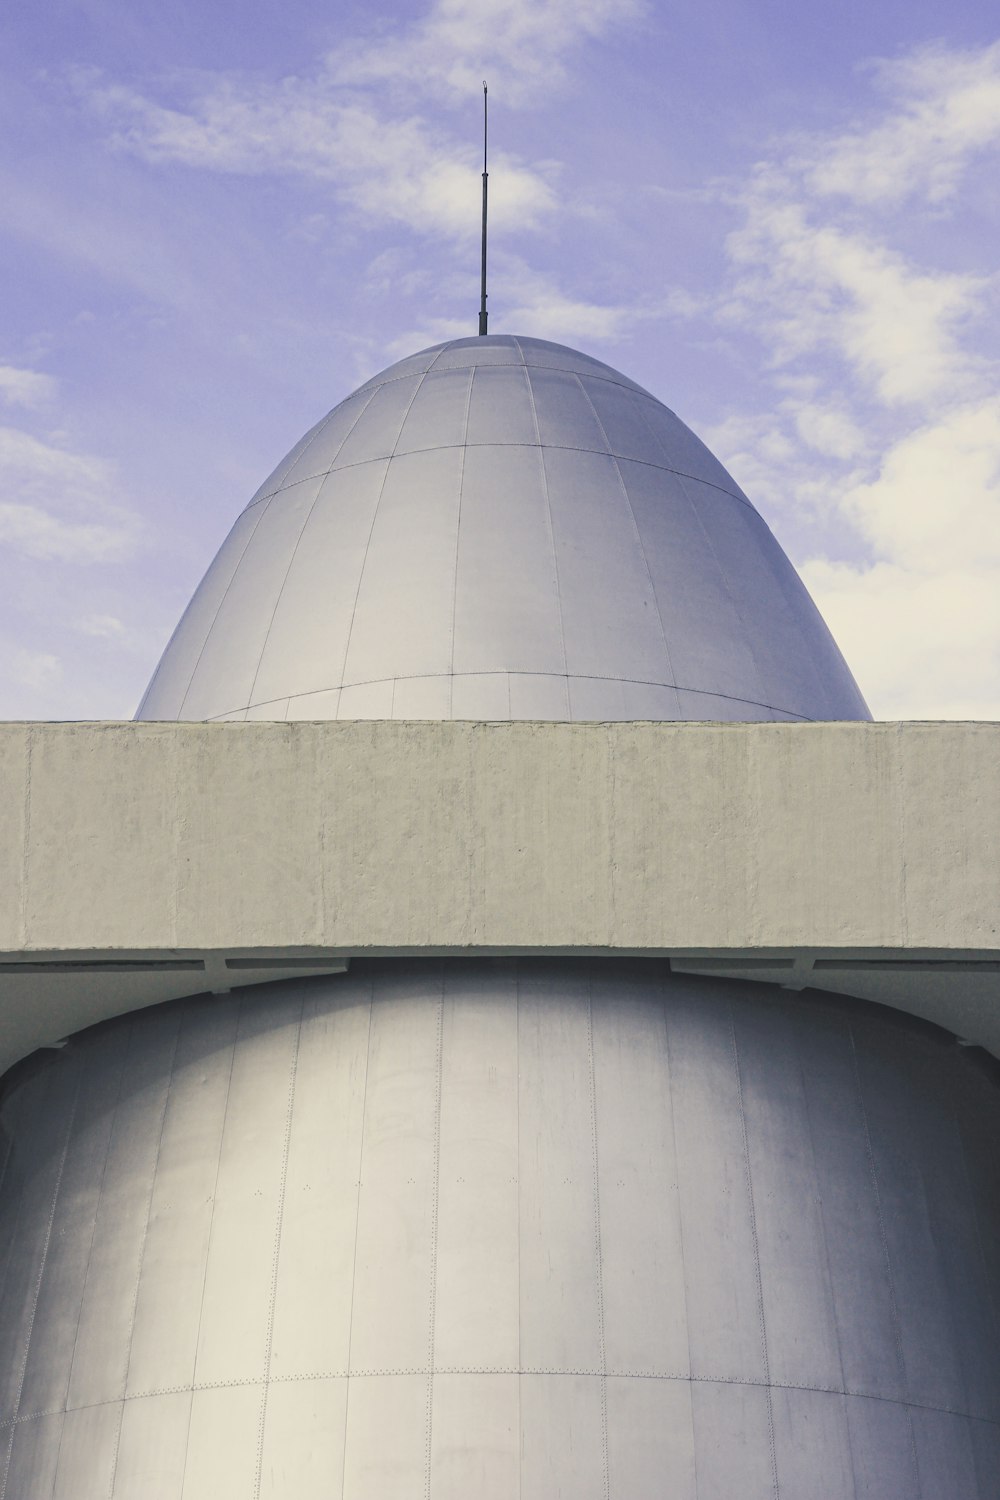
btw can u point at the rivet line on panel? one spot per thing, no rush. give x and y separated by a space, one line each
288 463
506 364
887 1259
671 1090
302 529
458 532
357 1219
810 1136
549 524
678 1377
598 1255
756 1252
159 1390
33 1416
646 463
435 1174
212 1199
36 1293
208 631
371 532
276 1249
617 460
568 677
320 431
149 1209
113 1472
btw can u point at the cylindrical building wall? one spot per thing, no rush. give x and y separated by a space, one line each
493 1229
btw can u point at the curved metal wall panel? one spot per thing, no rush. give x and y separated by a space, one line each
501 508
172 678
501 1227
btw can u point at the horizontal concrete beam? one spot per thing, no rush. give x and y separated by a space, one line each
699 839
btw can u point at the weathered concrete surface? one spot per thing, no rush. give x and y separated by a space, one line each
635 836
801 840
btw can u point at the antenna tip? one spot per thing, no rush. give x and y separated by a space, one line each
484 85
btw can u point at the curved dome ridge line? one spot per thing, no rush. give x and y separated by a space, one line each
514 507
727 586
320 428
371 529
323 477
679 687
435 359
635 523
626 458
218 609
458 526
549 522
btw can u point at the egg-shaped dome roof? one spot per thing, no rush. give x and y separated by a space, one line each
501 528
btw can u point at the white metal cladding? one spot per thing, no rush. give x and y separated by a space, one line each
501 528
502 1228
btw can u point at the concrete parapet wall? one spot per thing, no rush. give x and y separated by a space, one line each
520 836
144 862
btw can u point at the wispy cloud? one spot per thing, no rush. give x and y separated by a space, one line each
524 46
944 111
40 534
935 501
36 671
86 225
64 534
535 303
923 645
924 613
399 171
881 441
815 286
59 505
104 627
30 388
343 124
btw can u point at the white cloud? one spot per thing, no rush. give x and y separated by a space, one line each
56 504
105 627
40 534
521 45
818 259
945 110
532 302
830 430
34 670
339 124
935 503
32 465
536 302
924 618
922 644
812 286
396 170
422 336
25 387
881 447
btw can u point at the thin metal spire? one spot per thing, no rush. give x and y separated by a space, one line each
482 304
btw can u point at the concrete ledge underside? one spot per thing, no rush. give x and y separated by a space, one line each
140 862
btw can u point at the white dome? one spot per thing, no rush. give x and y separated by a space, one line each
501 528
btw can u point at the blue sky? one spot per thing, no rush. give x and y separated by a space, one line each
217 220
